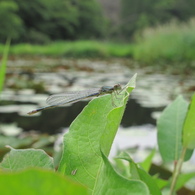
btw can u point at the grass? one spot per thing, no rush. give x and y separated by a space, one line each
173 42
76 49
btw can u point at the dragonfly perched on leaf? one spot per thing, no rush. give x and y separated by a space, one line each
75 96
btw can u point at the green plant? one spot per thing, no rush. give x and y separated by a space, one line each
84 166
176 137
3 64
11 24
173 41
73 49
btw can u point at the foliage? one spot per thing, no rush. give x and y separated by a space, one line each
10 23
176 135
40 21
97 127
172 42
170 131
86 148
36 181
138 14
3 64
76 49
189 126
91 23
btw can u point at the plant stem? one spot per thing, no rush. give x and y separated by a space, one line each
177 171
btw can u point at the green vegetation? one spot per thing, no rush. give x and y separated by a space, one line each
174 42
11 23
137 15
40 21
77 49
84 167
4 64
71 29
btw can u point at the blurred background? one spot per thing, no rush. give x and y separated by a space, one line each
67 45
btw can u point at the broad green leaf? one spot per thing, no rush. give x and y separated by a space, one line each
150 182
161 182
121 166
3 64
170 125
146 164
132 166
18 159
111 183
139 173
183 179
189 126
38 182
95 126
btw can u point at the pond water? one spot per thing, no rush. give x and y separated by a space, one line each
30 81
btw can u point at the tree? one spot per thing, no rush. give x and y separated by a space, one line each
139 14
60 19
91 21
11 25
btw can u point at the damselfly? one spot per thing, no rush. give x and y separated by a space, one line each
75 96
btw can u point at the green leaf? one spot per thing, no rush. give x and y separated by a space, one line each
18 159
161 182
120 166
183 179
189 126
150 182
3 64
38 182
170 125
133 166
95 126
146 164
111 183
138 172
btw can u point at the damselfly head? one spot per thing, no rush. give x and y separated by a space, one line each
117 87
